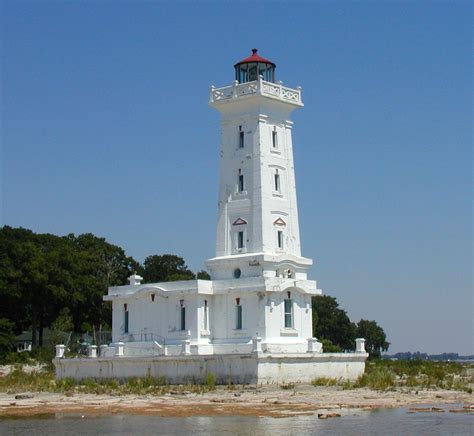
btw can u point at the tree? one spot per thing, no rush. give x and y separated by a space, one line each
203 275
61 328
166 267
375 339
7 337
41 273
98 265
332 323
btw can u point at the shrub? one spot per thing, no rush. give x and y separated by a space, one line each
210 381
380 379
324 381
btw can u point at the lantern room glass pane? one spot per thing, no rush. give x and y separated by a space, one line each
249 72
252 72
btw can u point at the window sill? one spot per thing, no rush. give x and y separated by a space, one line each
277 194
288 332
275 151
239 195
239 251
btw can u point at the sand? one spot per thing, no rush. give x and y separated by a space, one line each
271 401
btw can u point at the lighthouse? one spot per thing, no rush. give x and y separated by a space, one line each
252 322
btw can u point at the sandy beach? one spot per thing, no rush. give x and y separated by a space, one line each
270 401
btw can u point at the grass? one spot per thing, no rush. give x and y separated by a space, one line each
387 374
378 379
379 375
324 381
44 381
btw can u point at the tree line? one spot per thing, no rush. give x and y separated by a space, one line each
44 276
58 281
337 332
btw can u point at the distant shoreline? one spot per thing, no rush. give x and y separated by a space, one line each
267 401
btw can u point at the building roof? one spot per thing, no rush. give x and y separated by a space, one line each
254 58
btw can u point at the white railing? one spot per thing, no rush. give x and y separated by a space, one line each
142 336
268 89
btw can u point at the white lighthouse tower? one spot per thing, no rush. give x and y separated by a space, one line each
257 208
252 322
257 230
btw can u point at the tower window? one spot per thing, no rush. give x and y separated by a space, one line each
206 323
277 181
274 138
241 182
288 313
125 321
182 315
280 239
241 137
240 240
238 313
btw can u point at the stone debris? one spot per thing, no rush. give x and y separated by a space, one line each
23 396
328 415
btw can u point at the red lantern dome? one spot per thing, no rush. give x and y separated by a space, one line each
249 69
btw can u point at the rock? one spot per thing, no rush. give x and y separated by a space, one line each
328 415
237 395
271 400
23 396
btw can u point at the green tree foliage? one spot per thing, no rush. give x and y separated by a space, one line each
166 267
41 273
332 323
375 339
203 275
7 337
62 328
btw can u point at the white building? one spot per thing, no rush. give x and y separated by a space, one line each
255 312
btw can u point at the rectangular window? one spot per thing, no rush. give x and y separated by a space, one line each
280 239
241 182
125 322
205 315
241 138
238 324
288 314
240 240
274 139
183 318
277 182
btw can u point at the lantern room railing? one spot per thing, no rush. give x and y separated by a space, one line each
262 87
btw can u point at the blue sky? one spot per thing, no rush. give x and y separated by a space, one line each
106 129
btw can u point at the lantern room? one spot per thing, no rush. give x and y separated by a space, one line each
249 69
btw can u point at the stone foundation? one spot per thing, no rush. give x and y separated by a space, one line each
249 368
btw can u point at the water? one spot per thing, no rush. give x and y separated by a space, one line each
352 422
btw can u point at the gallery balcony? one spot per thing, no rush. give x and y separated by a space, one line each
275 91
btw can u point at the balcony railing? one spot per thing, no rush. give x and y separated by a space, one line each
260 86
142 336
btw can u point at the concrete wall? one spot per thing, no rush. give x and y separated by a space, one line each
236 368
